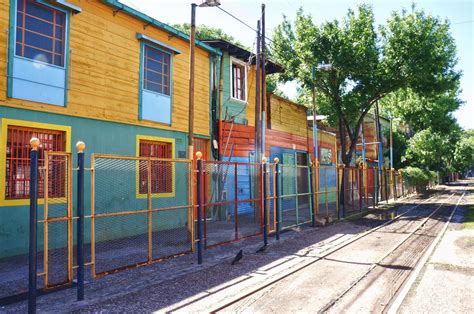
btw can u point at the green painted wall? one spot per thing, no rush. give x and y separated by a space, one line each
117 187
232 107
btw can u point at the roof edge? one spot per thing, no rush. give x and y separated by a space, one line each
142 16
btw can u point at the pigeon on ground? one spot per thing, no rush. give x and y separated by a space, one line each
262 249
238 257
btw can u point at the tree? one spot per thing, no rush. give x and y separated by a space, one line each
464 152
411 51
423 112
432 150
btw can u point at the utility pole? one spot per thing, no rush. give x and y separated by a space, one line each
257 98
391 143
192 48
263 82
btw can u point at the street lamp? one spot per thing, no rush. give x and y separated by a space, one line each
192 43
326 68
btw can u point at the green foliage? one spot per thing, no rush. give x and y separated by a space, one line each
428 149
411 51
464 152
400 143
420 178
204 32
423 112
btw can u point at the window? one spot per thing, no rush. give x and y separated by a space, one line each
38 51
156 87
156 71
18 161
161 170
40 32
239 81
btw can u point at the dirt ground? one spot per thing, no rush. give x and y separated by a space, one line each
322 260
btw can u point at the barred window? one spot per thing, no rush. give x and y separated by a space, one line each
40 32
157 70
161 171
18 162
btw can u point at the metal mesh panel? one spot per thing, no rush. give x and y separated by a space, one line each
169 240
232 201
120 241
56 258
142 209
271 195
295 195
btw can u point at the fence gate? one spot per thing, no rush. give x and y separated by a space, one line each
141 211
56 224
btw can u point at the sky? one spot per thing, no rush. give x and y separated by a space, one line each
459 12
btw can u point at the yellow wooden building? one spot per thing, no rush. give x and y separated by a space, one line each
96 71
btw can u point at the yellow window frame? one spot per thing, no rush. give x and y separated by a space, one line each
5 123
172 141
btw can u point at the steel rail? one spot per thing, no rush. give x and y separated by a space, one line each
400 295
328 251
377 263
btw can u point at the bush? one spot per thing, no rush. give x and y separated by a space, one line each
419 178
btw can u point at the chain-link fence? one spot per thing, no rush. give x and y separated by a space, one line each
232 201
142 211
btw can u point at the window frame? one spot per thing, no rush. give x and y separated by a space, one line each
64 40
172 141
12 45
146 41
5 123
241 63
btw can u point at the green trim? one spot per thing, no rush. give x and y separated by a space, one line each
141 36
207 137
11 47
151 21
141 75
140 81
75 9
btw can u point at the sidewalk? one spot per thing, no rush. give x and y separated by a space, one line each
446 283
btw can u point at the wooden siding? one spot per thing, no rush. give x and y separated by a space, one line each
104 70
287 116
243 139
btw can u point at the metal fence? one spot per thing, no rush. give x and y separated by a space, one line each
144 210
232 201
141 211
54 229
295 198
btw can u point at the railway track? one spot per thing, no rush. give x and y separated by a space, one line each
421 216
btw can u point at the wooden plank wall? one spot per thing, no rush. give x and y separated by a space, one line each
243 138
287 116
104 70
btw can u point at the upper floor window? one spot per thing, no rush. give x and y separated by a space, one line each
156 88
18 162
157 70
239 80
40 32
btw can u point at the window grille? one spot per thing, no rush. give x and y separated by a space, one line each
161 170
